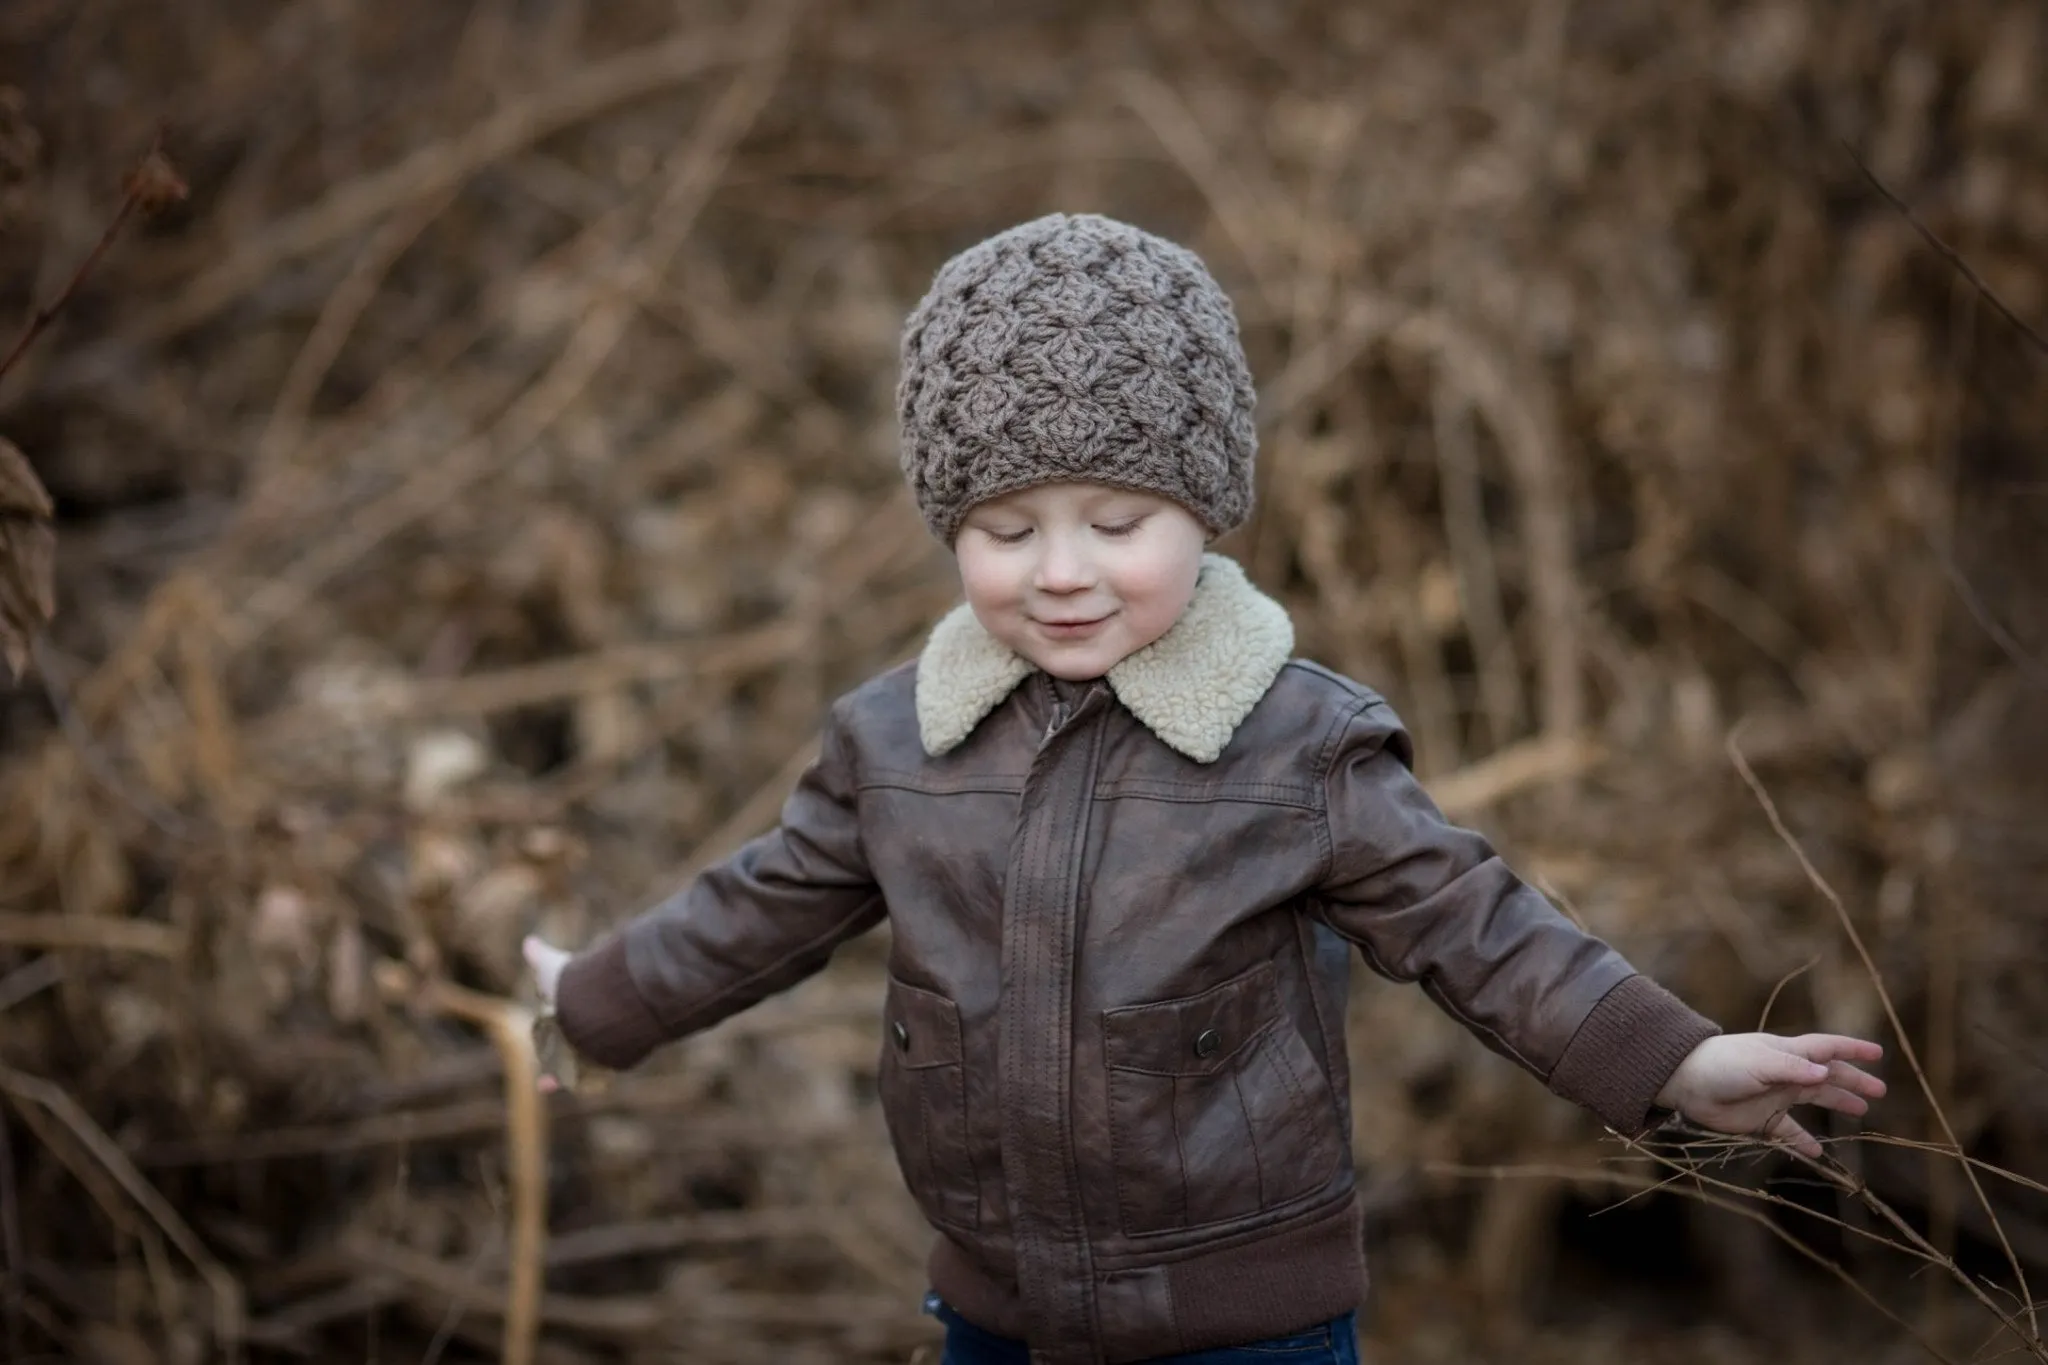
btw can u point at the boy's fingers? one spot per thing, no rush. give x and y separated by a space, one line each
1782 1129
1836 1047
1856 1081
1841 1101
1790 1068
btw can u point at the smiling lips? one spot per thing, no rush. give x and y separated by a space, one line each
1067 630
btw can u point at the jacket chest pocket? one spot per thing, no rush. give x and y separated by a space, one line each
1218 1109
924 1101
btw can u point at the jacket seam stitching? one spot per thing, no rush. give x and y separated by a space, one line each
1212 799
1310 970
836 747
1293 1081
957 1093
1117 1144
1180 1152
1224 785
1444 1002
1252 1133
928 788
1291 1215
1326 762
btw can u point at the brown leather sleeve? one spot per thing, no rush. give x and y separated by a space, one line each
1429 902
757 923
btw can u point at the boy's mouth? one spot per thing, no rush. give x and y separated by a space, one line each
1071 630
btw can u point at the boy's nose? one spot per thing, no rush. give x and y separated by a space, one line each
1064 568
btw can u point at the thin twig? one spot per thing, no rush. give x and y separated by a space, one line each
1916 1145
752 816
2029 667
452 1318
1732 1147
100 933
1947 253
1764 1019
24 983
696 170
57 680
435 169
1870 967
151 185
1237 208
1856 1187
58 1103
14 1262
1518 409
1730 1205
1464 793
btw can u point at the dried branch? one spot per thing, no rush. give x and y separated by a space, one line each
152 185
28 558
54 1100
1905 1039
509 1027
1946 252
1734 1205
12 1261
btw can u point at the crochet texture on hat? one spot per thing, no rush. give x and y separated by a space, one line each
1076 348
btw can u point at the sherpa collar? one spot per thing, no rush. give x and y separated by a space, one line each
1192 687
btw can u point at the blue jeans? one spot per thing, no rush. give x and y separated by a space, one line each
1333 1343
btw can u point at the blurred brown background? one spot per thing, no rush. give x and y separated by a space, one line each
469 497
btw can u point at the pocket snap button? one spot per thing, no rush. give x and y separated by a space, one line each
1207 1042
901 1033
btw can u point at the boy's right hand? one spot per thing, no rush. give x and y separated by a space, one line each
546 961
558 1067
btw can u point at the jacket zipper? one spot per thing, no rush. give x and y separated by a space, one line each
1057 709
1042 913
1059 718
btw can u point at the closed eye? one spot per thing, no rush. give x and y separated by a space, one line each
1006 537
1121 529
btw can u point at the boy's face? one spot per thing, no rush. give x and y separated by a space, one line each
1076 576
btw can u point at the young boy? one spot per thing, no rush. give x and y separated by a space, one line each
1113 826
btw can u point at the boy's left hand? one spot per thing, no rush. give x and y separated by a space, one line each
1744 1082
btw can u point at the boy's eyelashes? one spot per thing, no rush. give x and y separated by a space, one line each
1114 530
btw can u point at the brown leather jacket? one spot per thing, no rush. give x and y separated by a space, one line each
1112 1055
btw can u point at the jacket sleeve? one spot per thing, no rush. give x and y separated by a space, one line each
1429 902
757 923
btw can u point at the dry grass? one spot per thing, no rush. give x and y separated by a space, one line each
468 499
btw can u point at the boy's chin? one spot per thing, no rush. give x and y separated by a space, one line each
1074 665
1080 672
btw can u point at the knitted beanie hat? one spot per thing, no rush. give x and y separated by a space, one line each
1075 348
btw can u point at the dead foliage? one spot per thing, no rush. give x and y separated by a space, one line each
27 542
28 552
470 495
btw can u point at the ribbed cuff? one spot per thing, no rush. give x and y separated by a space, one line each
1626 1049
600 1011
